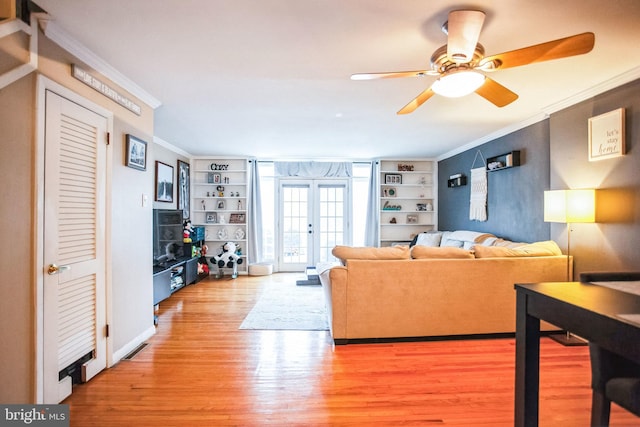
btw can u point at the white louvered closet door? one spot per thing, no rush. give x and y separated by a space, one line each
74 243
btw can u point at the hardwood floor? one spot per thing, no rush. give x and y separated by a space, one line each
200 370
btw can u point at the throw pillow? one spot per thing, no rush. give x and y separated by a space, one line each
424 252
546 248
344 253
429 239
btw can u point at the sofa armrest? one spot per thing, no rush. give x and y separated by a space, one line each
334 284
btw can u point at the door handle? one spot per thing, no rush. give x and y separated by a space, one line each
55 269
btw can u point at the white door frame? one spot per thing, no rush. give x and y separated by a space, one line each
44 84
314 184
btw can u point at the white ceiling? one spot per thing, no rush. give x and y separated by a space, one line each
270 78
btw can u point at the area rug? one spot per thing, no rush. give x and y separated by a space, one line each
285 306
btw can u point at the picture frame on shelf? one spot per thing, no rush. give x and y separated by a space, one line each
392 178
221 205
136 156
184 188
237 218
412 218
211 217
164 182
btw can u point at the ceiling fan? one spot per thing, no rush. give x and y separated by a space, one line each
460 65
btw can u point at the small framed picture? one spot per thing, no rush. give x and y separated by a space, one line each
136 157
211 217
221 205
184 188
421 207
412 219
392 178
217 178
237 218
164 182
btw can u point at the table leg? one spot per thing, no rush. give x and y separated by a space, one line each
527 364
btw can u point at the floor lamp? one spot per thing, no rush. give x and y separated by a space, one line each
568 207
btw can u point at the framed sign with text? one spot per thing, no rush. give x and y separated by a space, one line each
606 135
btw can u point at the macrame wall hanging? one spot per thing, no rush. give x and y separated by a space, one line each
478 202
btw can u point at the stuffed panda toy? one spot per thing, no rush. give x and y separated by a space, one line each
228 257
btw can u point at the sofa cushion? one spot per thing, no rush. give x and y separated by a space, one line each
425 252
344 253
545 248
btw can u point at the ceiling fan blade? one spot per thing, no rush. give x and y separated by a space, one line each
556 49
389 75
495 93
417 101
463 30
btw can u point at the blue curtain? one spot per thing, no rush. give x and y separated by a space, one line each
372 229
255 216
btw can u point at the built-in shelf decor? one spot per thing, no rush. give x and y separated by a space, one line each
503 161
407 200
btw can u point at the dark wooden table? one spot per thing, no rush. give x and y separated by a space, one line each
585 309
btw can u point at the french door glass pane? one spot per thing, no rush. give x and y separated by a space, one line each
331 226
295 223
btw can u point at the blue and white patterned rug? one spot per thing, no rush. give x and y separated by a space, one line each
285 306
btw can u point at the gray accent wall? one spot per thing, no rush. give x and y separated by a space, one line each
555 156
612 242
514 196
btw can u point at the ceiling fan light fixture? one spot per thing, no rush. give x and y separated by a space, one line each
459 83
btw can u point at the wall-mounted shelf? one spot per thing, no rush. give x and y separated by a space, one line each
503 161
457 181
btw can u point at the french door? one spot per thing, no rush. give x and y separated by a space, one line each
313 218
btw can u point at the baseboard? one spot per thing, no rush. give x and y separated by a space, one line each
344 341
133 344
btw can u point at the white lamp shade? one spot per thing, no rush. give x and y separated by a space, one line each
570 206
458 83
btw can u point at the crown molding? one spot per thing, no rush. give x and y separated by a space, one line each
57 34
171 147
619 80
494 135
613 83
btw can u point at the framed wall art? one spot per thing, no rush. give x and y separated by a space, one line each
184 188
164 182
136 155
607 135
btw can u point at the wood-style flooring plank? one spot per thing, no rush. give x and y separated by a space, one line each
201 370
